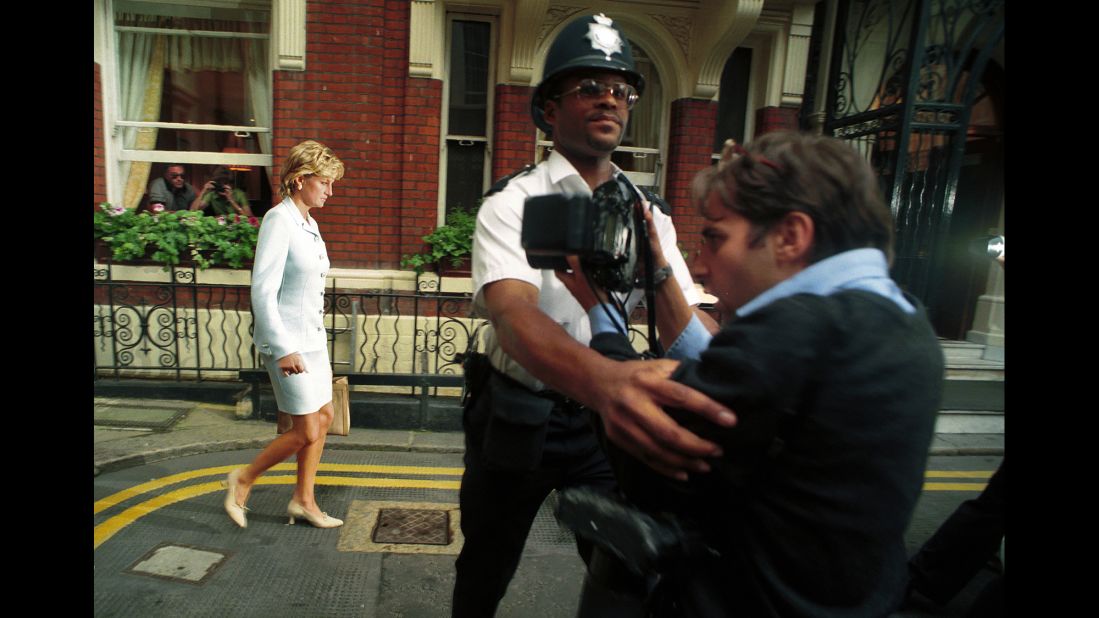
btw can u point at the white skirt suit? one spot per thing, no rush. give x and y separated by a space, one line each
288 307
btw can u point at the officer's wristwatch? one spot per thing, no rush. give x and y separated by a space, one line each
660 274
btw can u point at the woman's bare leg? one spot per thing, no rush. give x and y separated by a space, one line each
306 429
309 458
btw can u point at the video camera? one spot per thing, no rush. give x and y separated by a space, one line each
601 230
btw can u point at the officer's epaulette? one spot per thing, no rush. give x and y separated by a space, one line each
503 182
654 198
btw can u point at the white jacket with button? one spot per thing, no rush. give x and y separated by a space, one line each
288 283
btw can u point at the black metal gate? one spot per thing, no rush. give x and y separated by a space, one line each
903 79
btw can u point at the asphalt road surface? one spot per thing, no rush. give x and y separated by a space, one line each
164 546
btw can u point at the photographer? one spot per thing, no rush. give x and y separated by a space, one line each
219 197
172 191
835 375
527 432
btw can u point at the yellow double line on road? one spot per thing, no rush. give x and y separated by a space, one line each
112 525
955 474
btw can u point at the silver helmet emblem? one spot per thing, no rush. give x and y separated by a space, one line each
604 37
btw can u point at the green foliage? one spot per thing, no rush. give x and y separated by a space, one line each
452 241
166 237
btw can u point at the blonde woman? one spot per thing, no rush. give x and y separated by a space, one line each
288 307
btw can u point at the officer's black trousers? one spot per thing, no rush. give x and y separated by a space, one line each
498 506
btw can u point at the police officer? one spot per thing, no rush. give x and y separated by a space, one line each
527 429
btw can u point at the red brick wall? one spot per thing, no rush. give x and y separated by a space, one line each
513 130
689 149
356 97
770 119
418 205
99 168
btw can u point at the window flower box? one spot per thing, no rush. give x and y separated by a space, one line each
174 238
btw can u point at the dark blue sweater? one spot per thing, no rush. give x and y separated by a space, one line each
836 399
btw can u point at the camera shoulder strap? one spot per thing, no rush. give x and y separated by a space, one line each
503 182
654 198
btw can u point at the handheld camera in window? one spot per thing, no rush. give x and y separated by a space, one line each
600 229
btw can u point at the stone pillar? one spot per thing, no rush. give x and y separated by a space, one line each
988 317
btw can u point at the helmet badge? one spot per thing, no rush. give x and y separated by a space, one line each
604 37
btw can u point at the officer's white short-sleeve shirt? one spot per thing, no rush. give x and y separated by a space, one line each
498 254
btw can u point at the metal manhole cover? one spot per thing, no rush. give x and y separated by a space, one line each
179 562
422 527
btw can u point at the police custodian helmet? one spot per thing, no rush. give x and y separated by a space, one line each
590 42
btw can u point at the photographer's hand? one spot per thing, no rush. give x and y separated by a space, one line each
659 261
672 311
577 283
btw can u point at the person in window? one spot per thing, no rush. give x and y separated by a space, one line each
288 305
835 375
172 191
220 198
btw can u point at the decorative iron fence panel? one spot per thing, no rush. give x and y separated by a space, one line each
182 330
904 75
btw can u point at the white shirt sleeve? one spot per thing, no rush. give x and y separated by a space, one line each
272 250
497 244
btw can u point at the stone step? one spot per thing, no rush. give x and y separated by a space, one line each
973 395
969 421
972 404
961 350
977 373
968 361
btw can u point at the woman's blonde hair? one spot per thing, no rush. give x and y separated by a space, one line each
308 158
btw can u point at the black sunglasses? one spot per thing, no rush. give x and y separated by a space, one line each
594 89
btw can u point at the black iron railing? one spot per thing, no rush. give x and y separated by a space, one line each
176 328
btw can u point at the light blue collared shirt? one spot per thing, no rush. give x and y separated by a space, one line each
858 269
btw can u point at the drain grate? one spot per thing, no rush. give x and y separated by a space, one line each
422 527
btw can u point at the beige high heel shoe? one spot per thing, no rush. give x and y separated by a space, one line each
324 521
235 511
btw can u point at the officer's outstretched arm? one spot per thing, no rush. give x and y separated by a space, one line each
629 396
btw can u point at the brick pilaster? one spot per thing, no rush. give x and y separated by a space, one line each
770 119
356 97
689 150
99 165
513 130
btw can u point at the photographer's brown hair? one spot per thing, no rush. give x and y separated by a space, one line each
823 177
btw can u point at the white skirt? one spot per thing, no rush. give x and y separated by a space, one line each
302 393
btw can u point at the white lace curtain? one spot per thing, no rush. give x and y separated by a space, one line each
142 58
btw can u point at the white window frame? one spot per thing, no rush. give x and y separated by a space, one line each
107 52
490 111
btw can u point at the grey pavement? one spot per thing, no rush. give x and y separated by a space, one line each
131 432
